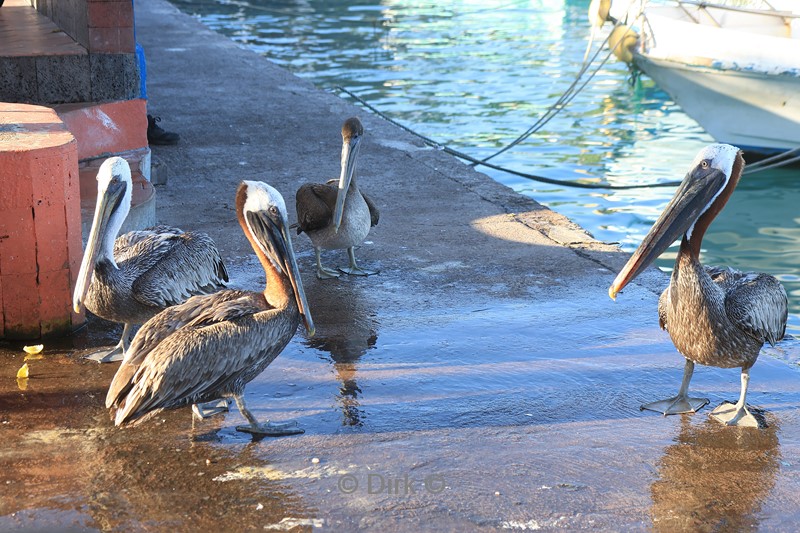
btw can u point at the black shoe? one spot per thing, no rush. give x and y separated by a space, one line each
157 135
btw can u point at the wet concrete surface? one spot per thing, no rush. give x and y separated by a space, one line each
482 381
419 422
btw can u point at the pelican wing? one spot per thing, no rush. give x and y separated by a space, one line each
151 334
202 310
315 203
755 302
172 267
374 214
124 244
187 352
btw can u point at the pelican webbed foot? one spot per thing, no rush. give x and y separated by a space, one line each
271 429
353 269
733 414
737 414
117 353
322 272
205 410
681 403
676 405
358 271
326 273
264 429
107 356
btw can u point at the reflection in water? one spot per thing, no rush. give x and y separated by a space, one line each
346 334
715 478
63 466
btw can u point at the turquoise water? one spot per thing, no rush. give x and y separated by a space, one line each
474 75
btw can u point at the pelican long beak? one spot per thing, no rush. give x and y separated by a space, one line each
107 203
273 236
349 154
694 195
290 266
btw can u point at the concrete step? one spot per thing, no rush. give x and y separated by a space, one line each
68 52
25 32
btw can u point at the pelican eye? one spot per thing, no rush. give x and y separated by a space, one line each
273 210
704 164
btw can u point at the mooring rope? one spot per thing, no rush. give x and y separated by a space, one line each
568 95
565 98
467 157
789 157
548 115
765 164
778 160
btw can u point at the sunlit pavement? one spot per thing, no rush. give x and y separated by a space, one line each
483 380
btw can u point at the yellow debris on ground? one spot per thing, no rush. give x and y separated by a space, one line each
23 372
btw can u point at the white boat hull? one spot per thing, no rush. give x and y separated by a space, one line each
751 110
734 69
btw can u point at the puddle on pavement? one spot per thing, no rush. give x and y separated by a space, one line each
499 365
64 467
521 413
491 366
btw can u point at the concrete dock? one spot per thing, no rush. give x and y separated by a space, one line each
482 381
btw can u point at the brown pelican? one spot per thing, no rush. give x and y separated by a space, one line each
132 278
337 214
211 346
714 316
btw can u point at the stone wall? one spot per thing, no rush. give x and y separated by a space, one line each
97 63
100 26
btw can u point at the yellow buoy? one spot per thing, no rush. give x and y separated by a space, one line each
622 41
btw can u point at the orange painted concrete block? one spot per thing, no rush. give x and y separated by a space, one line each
17 191
47 173
55 290
40 243
50 228
17 241
72 212
107 128
21 306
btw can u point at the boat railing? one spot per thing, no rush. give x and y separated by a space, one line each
787 16
777 22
